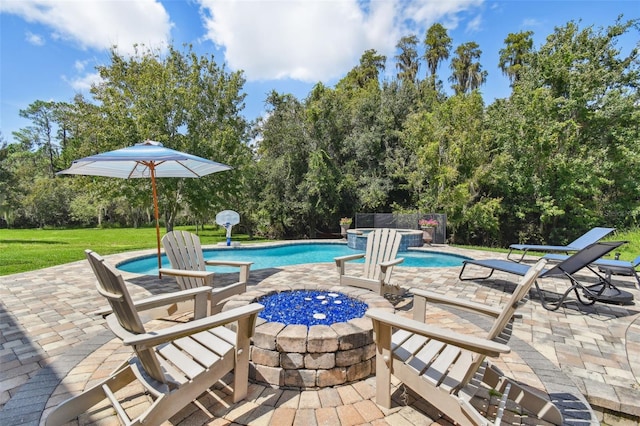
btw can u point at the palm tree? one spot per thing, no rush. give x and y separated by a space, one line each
437 45
407 58
467 74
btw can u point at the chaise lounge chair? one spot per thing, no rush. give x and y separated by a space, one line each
189 267
447 368
175 365
379 259
604 291
608 266
578 244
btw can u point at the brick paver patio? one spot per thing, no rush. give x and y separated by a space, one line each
51 345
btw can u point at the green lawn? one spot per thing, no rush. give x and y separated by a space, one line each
24 250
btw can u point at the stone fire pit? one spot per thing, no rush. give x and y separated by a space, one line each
301 357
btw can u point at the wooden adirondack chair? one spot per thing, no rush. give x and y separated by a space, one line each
380 258
447 368
175 364
189 267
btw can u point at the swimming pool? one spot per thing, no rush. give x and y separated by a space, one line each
274 256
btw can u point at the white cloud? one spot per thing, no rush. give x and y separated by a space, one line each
34 39
98 24
531 23
84 83
428 12
474 25
80 65
316 40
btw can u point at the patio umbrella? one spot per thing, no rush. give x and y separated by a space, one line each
148 159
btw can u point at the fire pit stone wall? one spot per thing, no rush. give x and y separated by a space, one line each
301 357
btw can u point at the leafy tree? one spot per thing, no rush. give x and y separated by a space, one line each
187 103
282 164
30 195
566 138
366 73
47 202
398 101
450 156
515 55
6 181
41 134
365 145
318 191
467 72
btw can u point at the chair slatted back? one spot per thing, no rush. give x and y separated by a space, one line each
501 329
382 245
111 285
184 252
521 291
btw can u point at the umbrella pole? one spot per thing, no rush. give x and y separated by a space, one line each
155 209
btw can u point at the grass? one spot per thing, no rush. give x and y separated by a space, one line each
23 250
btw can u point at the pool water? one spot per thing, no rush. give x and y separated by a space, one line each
289 254
307 307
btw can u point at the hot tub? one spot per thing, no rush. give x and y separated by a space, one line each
357 238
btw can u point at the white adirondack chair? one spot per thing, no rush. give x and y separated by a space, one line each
189 267
447 368
175 364
380 258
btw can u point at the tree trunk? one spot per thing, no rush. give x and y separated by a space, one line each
169 220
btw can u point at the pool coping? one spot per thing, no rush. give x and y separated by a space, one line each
138 255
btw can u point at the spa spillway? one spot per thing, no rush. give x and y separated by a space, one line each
287 353
357 238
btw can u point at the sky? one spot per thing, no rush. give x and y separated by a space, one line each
49 49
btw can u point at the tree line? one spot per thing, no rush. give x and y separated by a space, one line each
557 157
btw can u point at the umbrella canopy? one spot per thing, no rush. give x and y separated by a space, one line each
148 159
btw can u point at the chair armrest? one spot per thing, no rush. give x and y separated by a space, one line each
244 267
342 260
165 299
169 298
186 273
348 257
181 330
388 263
205 276
468 305
235 263
464 341
219 294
